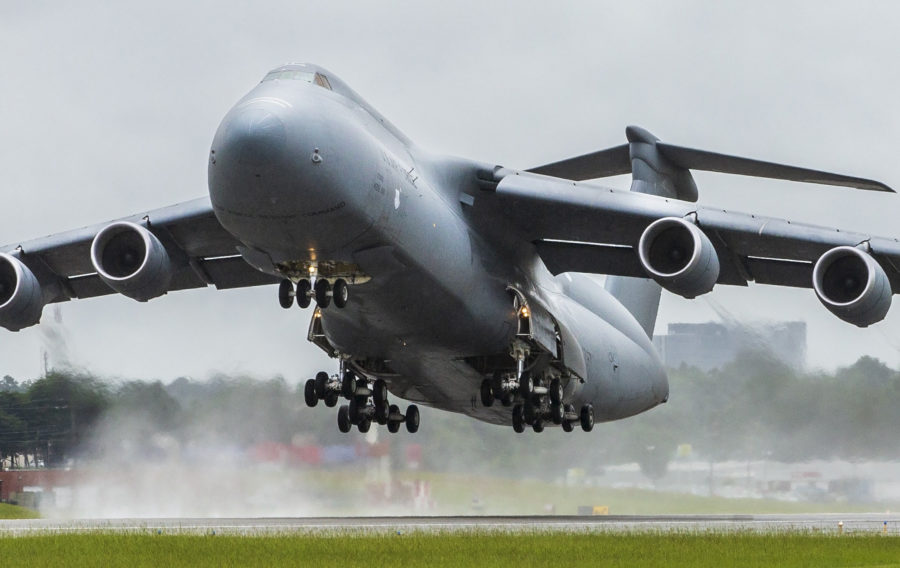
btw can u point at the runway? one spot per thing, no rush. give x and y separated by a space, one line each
829 523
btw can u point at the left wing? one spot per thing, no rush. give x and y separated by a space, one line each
146 255
581 227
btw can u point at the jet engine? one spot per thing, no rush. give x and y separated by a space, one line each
132 261
852 285
21 297
679 256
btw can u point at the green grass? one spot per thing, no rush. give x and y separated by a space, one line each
14 512
455 550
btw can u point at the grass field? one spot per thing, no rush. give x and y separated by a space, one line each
14 512
454 550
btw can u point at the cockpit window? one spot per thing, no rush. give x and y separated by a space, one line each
295 75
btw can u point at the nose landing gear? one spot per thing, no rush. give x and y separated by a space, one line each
323 291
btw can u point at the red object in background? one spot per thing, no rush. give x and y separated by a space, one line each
413 456
15 481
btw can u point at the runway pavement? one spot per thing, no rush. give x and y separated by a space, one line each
831 523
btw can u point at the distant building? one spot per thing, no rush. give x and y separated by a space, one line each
712 345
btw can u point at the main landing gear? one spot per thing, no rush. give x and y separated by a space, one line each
368 402
323 291
535 403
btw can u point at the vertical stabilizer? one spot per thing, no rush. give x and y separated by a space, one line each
654 174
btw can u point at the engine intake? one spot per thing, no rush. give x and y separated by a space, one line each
21 297
852 285
679 256
132 261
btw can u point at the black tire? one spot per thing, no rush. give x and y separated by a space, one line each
364 425
331 399
380 393
412 419
487 393
309 393
393 426
526 385
341 293
381 414
556 391
538 426
497 383
303 297
348 384
557 413
567 426
507 399
344 423
518 419
286 293
321 381
354 408
528 412
323 298
587 417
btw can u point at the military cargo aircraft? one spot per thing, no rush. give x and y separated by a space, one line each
448 282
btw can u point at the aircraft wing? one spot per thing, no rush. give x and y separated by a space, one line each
200 253
579 227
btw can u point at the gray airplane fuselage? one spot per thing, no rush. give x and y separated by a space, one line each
314 181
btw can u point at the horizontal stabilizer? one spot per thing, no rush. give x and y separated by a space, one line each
692 159
620 160
610 162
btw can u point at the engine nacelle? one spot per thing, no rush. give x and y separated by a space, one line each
132 261
679 256
21 297
852 285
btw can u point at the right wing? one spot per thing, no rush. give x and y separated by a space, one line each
57 268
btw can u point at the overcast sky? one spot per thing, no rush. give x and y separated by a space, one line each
107 109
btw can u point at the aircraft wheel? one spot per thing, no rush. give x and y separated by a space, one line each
412 419
364 425
558 413
321 381
331 399
309 393
587 417
506 399
380 393
528 412
393 426
556 392
538 425
487 393
286 293
348 384
323 299
382 413
567 426
344 423
303 297
526 384
341 293
354 408
518 418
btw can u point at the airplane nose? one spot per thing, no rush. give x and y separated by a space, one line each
256 136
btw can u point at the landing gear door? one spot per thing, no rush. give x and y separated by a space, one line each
535 323
572 355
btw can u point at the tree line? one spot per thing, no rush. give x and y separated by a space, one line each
752 408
